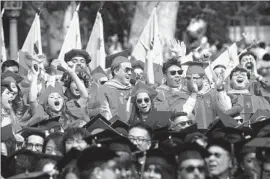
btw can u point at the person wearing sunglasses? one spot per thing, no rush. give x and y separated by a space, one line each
169 93
191 163
143 107
113 95
219 161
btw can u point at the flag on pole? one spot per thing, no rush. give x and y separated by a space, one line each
150 35
32 43
2 42
95 46
229 59
73 36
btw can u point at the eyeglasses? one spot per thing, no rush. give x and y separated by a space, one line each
138 140
191 168
184 123
239 120
173 72
140 100
30 146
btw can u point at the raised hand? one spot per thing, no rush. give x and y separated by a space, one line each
178 48
220 80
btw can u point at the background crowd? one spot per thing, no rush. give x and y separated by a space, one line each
203 113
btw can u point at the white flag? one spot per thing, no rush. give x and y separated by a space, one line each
95 46
225 60
150 35
73 36
2 42
32 43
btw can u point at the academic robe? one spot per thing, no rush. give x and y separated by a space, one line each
249 102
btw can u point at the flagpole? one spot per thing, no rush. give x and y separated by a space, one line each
40 8
78 7
101 6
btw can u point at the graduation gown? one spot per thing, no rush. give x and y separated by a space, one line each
113 98
249 102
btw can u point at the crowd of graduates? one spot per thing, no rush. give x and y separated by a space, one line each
64 120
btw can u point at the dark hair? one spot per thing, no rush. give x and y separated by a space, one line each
169 63
219 66
9 63
241 69
142 126
246 54
70 133
262 45
116 68
3 87
10 145
178 114
57 138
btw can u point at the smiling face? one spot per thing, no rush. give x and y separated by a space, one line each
246 62
55 102
173 77
123 74
240 80
143 102
6 98
73 88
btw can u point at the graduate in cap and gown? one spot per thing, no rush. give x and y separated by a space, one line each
206 101
240 82
143 109
113 95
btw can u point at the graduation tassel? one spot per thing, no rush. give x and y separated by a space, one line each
233 162
143 164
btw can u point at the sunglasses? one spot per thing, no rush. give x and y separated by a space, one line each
191 168
173 72
140 100
103 82
239 120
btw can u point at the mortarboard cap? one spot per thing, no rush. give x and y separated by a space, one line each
110 58
222 121
51 124
7 133
97 123
191 151
261 127
70 156
31 175
258 115
261 142
195 67
91 157
233 135
25 160
159 119
77 52
11 77
27 131
141 87
119 125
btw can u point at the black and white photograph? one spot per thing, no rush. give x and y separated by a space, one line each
135 89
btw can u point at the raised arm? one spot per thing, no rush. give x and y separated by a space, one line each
33 91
